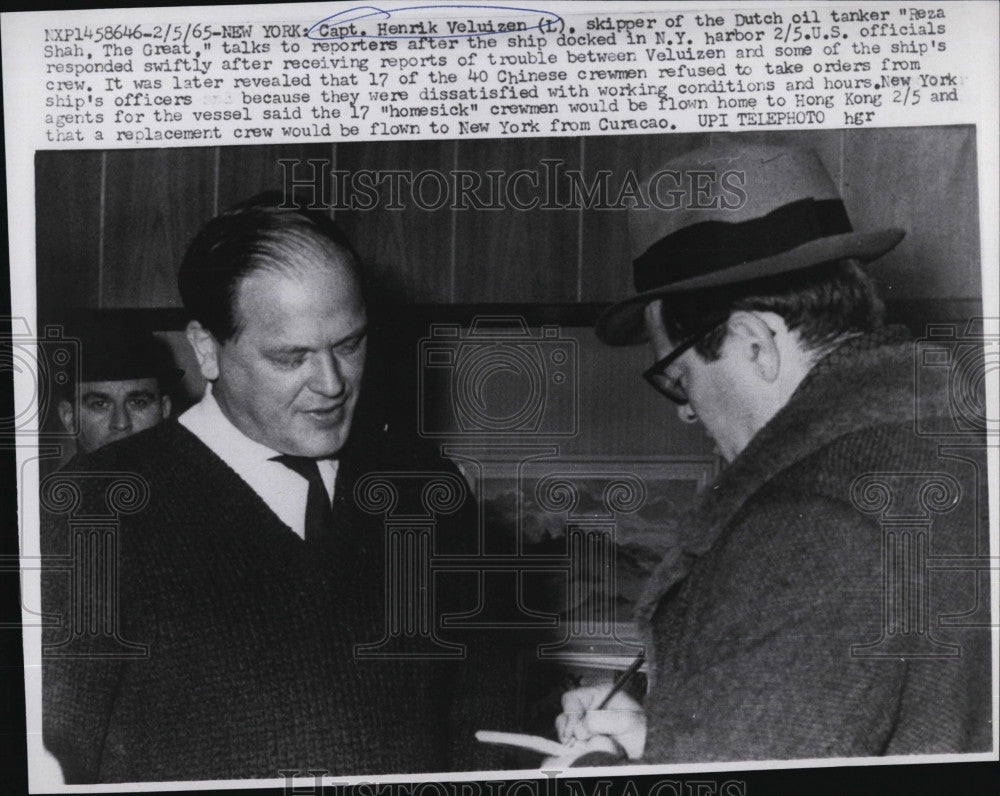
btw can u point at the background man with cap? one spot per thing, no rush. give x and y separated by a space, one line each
775 630
124 377
251 572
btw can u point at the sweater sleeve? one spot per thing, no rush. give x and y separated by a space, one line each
80 667
757 662
480 689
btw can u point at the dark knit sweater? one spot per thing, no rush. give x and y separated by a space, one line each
753 619
251 635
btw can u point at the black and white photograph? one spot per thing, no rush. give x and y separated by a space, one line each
617 454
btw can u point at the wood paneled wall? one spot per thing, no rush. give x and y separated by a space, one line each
112 226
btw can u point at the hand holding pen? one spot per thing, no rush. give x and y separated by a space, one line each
604 710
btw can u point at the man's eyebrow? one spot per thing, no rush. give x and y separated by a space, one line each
360 332
91 394
300 349
140 394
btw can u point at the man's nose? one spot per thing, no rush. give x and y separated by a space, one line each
121 420
686 413
327 378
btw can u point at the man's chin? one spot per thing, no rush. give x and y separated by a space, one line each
317 445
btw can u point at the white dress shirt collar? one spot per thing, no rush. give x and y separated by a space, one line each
283 490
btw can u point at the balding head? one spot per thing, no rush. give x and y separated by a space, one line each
256 237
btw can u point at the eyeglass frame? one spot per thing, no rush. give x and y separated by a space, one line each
677 394
657 370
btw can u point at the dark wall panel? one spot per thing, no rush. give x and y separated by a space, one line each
68 192
244 171
155 202
513 254
113 226
925 182
406 244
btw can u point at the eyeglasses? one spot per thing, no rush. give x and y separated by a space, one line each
656 374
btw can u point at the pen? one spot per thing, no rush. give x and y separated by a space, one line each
622 681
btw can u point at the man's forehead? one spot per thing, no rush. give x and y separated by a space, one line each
297 253
302 270
120 387
330 288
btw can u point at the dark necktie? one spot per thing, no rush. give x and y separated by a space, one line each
319 514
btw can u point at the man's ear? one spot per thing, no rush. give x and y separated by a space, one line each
206 350
66 416
757 344
165 406
653 320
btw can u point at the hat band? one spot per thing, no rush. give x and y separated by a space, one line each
711 246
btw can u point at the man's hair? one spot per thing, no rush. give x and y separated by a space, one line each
257 235
822 303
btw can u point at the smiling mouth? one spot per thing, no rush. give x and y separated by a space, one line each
325 413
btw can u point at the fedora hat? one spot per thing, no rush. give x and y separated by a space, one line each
733 213
112 350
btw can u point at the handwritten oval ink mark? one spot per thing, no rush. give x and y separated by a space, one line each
341 25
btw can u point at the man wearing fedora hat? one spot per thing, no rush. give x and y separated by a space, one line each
125 374
794 619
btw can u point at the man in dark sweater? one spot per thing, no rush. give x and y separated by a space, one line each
237 621
811 610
